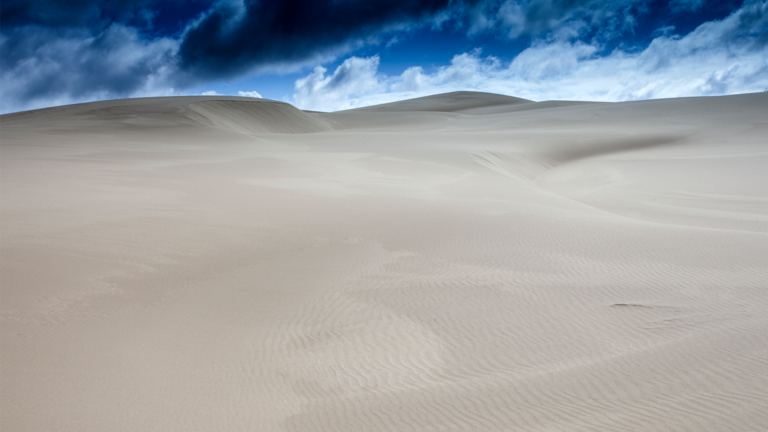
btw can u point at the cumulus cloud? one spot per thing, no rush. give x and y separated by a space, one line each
237 36
44 66
349 86
251 94
55 53
720 57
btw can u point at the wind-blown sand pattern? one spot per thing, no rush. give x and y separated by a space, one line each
463 262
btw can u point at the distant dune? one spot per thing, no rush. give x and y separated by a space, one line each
236 114
458 262
257 117
448 102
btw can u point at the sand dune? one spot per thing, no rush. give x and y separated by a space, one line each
448 102
461 262
234 114
257 117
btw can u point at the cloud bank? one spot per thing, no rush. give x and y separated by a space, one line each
721 57
54 53
237 37
38 68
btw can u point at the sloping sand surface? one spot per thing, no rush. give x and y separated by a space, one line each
448 102
257 117
463 262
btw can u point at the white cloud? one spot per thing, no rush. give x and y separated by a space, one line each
551 60
348 87
719 57
47 67
250 94
209 93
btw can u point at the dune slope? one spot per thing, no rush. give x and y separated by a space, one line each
458 263
258 117
233 114
448 102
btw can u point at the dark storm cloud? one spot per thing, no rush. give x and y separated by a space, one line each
56 52
235 37
85 49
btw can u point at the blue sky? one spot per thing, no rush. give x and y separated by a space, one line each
338 54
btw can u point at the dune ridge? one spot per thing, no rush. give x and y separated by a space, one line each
447 102
456 262
258 117
236 114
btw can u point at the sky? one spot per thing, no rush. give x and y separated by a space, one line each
330 55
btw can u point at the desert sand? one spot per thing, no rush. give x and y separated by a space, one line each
461 262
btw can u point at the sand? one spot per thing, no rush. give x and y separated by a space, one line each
463 262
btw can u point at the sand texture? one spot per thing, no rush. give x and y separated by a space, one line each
463 262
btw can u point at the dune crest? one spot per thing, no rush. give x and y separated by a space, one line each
448 102
258 117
